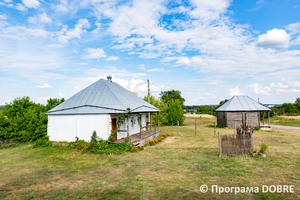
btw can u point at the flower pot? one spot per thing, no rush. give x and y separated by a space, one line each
254 154
264 155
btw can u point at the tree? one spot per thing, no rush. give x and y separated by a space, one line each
167 96
170 112
23 120
51 103
175 112
163 110
289 108
297 103
223 102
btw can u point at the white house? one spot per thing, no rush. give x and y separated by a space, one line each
96 108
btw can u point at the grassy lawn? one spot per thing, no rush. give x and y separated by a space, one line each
285 120
172 169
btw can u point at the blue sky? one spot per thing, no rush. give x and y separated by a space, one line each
209 50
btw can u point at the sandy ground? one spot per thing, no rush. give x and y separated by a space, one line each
198 115
288 128
290 117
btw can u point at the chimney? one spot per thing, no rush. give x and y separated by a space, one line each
109 78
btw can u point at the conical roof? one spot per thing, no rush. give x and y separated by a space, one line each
103 96
242 103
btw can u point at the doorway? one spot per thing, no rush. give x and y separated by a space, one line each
114 127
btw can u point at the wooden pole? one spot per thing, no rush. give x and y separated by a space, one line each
220 146
140 126
158 120
195 126
127 128
150 124
269 119
263 118
148 98
177 127
215 127
234 128
258 116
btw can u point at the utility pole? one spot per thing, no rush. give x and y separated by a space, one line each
148 98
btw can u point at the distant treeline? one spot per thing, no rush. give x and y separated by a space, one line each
2 107
286 109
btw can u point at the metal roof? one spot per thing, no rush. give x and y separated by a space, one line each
103 96
242 103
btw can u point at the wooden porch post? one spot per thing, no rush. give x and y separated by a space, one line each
150 123
263 118
158 121
140 126
127 127
269 119
258 116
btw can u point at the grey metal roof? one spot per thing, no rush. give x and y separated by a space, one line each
103 96
242 103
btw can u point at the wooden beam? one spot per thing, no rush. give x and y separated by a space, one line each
269 119
220 145
150 123
158 120
263 118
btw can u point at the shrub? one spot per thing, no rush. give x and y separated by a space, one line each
263 148
256 128
79 144
219 126
41 142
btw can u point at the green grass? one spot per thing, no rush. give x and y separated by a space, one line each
285 121
172 169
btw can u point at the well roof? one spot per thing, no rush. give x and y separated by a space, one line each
242 103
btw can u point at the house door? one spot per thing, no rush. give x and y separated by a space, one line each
114 127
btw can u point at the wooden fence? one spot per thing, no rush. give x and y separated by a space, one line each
238 144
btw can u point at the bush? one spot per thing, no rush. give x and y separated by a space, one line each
263 148
41 142
256 128
79 144
219 126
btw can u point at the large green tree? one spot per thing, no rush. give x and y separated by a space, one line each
23 120
167 96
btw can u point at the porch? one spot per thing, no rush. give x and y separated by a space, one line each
147 133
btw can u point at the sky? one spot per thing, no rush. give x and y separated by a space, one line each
208 50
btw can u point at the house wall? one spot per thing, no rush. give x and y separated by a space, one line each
228 119
221 118
67 127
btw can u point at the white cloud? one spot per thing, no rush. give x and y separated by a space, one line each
97 30
46 85
44 18
112 58
258 89
20 7
31 3
61 94
157 70
276 38
75 87
110 70
139 85
294 28
184 60
94 53
61 8
235 91
65 35
142 66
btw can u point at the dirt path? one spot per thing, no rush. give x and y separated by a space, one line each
288 128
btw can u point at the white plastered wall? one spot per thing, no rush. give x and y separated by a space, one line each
68 127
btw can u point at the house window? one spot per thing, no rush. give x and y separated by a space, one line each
133 122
